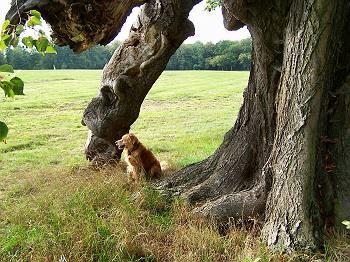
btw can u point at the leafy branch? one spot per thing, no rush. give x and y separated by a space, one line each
213 4
10 37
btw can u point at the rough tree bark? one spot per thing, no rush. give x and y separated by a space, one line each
79 24
287 157
312 45
280 158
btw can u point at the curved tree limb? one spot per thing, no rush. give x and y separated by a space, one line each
79 24
159 30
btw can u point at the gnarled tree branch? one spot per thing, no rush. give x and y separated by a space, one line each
79 24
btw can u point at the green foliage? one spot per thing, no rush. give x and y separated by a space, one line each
5 25
35 18
11 34
11 84
33 21
9 38
94 58
245 59
28 41
224 55
6 69
2 45
35 14
41 44
19 29
7 87
212 4
3 131
17 85
50 50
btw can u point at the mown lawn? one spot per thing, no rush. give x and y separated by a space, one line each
55 207
183 118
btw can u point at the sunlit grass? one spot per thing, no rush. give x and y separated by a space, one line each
183 118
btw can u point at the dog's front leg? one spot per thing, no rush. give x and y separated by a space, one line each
130 174
137 169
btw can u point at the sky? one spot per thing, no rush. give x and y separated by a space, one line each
209 25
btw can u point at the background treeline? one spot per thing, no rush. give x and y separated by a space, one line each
224 55
94 58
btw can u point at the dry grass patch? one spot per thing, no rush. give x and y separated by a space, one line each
94 215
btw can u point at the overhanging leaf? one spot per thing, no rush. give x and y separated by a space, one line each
6 68
7 87
33 21
19 29
3 131
50 50
35 13
18 85
11 93
41 44
5 25
15 41
28 41
5 37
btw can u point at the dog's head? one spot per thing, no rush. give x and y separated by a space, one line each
128 141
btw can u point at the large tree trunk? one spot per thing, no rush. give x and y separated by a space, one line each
287 157
294 212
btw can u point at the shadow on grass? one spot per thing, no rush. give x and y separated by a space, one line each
24 146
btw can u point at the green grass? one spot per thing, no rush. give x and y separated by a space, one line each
183 119
54 206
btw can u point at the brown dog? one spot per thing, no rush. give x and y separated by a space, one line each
141 160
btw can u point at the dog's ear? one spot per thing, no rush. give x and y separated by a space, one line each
133 138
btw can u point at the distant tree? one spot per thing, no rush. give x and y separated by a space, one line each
223 55
94 58
244 60
2 59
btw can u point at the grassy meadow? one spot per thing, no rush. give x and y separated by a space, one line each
45 129
55 207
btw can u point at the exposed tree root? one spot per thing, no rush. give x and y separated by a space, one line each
241 205
228 184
